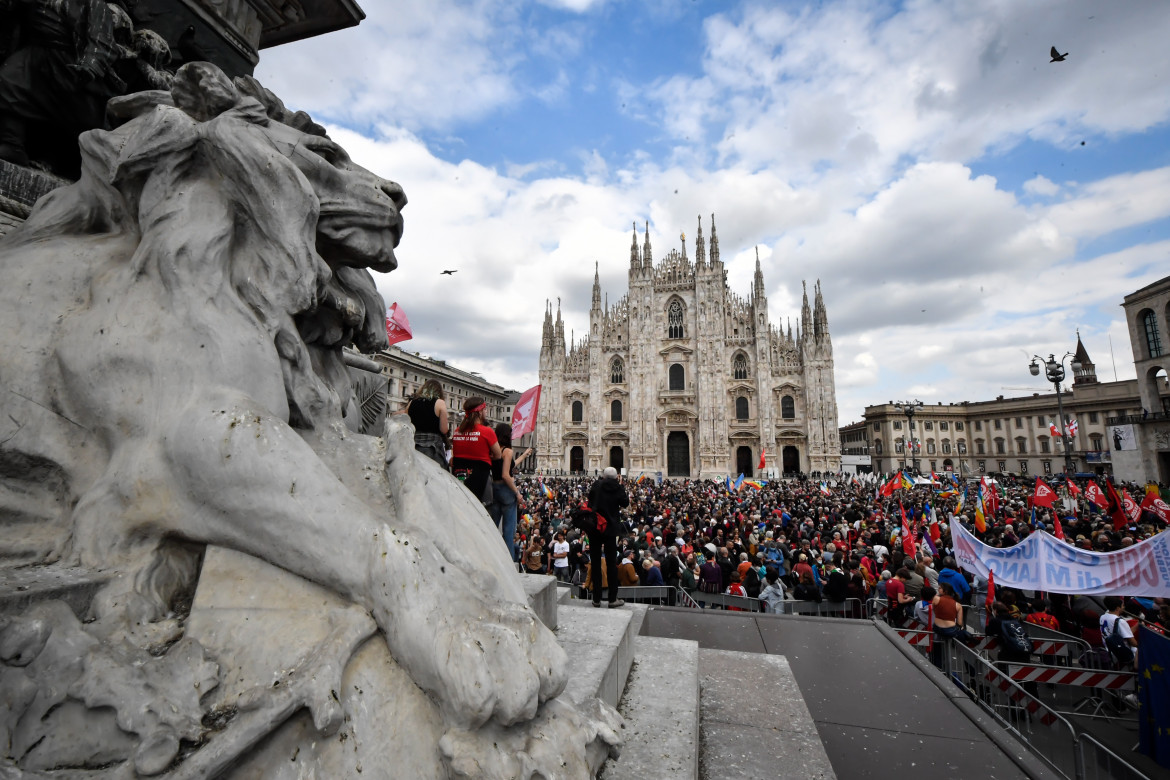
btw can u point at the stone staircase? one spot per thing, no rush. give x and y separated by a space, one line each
689 713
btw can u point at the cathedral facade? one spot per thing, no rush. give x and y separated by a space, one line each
684 377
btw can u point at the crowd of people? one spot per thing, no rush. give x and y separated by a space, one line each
834 539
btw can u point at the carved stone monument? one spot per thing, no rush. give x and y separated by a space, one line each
204 572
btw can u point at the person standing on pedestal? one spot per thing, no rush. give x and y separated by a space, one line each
607 497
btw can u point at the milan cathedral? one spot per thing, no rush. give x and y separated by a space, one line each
684 377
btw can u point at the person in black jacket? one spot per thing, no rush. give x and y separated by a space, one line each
607 497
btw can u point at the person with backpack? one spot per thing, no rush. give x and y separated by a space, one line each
1014 643
1117 634
607 497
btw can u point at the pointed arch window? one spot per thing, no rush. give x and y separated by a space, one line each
677 377
1153 338
788 408
739 366
615 411
617 371
741 408
578 411
674 320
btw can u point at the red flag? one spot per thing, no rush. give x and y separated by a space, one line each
1130 506
990 601
1073 490
397 325
1094 493
761 460
1154 503
524 415
908 545
1116 507
1057 531
1043 495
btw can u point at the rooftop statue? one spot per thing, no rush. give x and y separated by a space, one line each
171 395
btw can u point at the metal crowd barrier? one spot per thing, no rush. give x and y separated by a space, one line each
725 601
997 689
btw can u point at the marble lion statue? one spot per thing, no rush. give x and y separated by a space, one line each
171 377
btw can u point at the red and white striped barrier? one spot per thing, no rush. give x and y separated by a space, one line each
1047 717
1039 646
1084 678
917 638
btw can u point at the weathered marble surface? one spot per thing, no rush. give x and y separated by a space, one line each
173 396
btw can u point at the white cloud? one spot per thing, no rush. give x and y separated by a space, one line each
1041 185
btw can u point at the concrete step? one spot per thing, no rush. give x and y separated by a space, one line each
600 646
754 724
661 709
542 597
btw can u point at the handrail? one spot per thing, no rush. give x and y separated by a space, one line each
684 599
1108 763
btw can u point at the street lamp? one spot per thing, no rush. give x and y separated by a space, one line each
909 408
1054 371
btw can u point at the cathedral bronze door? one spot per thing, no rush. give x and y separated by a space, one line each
576 460
678 454
617 458
743 461
791 460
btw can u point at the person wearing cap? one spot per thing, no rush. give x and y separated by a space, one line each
607 497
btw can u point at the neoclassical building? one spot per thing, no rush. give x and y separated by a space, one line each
684 377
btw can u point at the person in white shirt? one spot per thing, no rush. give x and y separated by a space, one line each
560 557
1113 625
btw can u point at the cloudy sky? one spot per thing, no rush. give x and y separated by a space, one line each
964 202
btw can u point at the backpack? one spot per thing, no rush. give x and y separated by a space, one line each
1118 647
1015 638
586 519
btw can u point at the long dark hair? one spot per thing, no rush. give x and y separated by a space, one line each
431 388
504 435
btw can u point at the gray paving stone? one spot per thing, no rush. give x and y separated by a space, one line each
754 721
600 646
661 708
542 597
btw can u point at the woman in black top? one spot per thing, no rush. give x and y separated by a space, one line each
428 411
504 510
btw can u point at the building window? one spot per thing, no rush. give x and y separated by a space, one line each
617 371
1021 445
674 320
1092 417
578 411
958 426
979 446
946 447
930 446
877 446
739 367
877 426
933 465
962 446
942 426
1023 467
678 378
999 425
897 425
928 426
1095 441
1040 421
788 408
999 447
741 408
615 411
1153 339
1045 445
978 425
898 445
1019 422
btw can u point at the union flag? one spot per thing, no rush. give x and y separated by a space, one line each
1043 495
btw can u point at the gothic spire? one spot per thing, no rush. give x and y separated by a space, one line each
758 281
635 258
806 324
714 243
596 288
820 319
1087 373
700 250
647 255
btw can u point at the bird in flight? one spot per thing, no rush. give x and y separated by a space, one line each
448 273
1057 56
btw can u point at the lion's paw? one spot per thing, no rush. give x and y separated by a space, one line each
562 741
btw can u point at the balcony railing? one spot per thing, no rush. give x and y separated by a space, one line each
1138 418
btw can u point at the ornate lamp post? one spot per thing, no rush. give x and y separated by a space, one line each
909 408
1055 372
